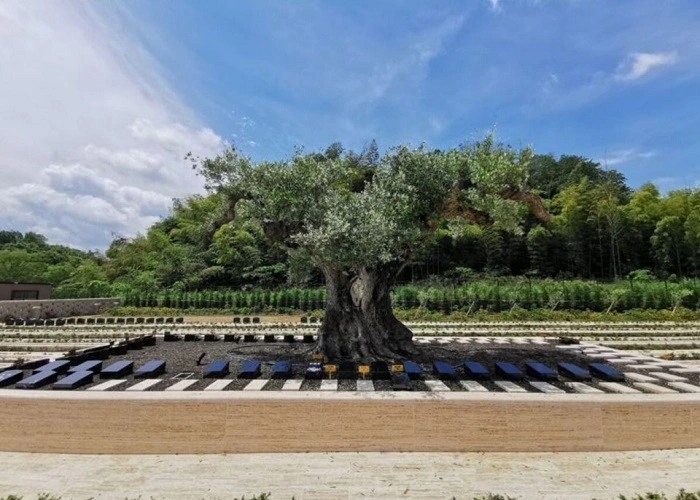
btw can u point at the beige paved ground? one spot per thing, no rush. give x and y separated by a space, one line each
330 476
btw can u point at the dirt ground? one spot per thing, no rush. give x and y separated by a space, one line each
330 476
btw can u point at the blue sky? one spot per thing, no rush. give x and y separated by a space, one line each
613 80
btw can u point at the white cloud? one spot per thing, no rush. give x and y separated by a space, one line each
495 5
92 139
624 156
638 64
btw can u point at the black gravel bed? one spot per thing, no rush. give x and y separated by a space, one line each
181 357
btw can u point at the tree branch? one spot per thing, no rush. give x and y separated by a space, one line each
534 201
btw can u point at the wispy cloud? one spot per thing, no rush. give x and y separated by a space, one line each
495 5
91 145
624 156
638 64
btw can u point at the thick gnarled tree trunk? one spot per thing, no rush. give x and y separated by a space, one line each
359 323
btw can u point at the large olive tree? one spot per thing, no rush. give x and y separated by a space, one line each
361 220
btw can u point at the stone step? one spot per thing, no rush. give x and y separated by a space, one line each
582 388
638 377
181 385
329 385
654 388
144 384
473 386
292 385
670 377
685 387
681 371
617 387
546 387
509 386
365 385
218 385
256 385
108 384
437 385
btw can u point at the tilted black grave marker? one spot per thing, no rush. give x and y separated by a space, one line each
192 337
400 381
249 337
606 372
269 338
573 371
93 366
216 369
150 321
444 370
508 370
130 321
9 377
121 321
540 371
49 322
413 370
289 338
475 370
171 337
236 319
118 369
231 337
110 321
249 369
246 320
99 321
282 369
211 337
179 320
170 320
149 340
160 320
59 366
151 369
308 338
74 380
39 379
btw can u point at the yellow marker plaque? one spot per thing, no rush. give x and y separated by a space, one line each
396 368
330 369
317 357
363 370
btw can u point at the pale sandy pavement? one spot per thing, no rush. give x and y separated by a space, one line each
330 476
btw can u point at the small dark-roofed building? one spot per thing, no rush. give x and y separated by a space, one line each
24 291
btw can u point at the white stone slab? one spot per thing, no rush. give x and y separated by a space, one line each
689 369
509 386
482 341
144 384
685 387
443 340
518 340
582 388
501 341
218 385
546 387
670 377
106 385
436 385
256 385
600 356
619 388
473 386
292 385
463 341
181 385
567 346
638 377
620 361
642 367
329 385
424 341
365 385
654 388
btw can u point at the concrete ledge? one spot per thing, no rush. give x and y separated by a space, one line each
239 422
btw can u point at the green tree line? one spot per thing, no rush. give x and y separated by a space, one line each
601 230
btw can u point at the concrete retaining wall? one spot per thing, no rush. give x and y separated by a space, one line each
236 422
55 308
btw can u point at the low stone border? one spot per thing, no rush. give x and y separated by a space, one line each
239 422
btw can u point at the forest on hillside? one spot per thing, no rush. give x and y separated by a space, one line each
601 230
